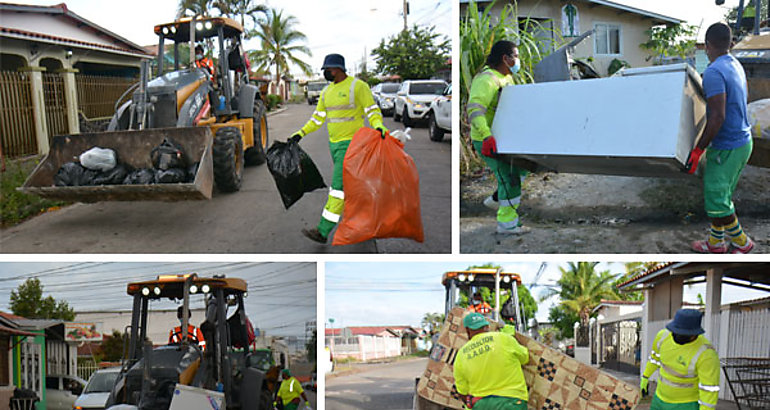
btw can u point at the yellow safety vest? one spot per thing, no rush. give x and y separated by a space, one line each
688 372
482 102
490 365
343 106
290 389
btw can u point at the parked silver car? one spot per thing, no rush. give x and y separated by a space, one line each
385 96
414 98
97 390
62 391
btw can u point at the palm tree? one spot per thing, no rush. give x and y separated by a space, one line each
197 7
433 321
279 45
581 288
242 8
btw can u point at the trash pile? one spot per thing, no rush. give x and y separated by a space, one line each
293 171
759 118
100 166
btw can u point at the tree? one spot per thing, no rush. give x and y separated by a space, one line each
412 53
667 41
563 321
280 45
310 346
633 269
240 8
196 7
112 347
433 322
28 301
581 289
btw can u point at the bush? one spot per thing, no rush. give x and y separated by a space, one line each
616 65
273 100
15 205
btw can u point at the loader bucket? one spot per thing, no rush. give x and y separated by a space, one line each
133 148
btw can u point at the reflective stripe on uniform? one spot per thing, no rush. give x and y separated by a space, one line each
319 122
654 361
336 193
321 114
341 119
703 403
694 360
291 386
707 387
370 108
351 100
511 202
676 384
674 372
509 224
475 114
326 214
476 106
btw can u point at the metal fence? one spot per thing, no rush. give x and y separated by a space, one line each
17 126
621 345
97 94
55 105
86 368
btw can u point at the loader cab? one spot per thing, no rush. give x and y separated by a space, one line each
149 375
471 281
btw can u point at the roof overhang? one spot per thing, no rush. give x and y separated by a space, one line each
12 33
753 275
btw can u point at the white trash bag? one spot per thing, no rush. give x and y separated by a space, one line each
759 118
402 135
100 159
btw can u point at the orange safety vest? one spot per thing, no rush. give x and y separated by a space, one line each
207 64
482 308
193 333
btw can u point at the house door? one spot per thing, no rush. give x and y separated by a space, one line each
31 367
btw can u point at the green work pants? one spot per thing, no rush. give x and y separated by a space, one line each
336 201
720 176
500 403
658 404
509 180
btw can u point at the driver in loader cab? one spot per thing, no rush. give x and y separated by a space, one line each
193 333
203 62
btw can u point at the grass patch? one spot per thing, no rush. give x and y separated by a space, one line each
15 206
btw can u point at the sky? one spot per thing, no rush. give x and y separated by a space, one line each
701 13
396 293
281 296
350 28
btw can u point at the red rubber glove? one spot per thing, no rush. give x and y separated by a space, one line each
692 160
489 147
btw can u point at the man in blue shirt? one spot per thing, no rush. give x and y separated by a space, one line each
726 140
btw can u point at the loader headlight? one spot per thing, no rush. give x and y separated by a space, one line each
193 289
199 26
461 277
208 25
165 30
173 29
506 279
205 288
156 291
146 291
470 278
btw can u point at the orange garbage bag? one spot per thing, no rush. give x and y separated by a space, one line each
382 191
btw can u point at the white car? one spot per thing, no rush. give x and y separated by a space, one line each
414 98
97 390
385 96
439 115
62 391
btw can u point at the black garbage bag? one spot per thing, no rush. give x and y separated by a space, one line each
141 176
74 174
293 171
168 155
192 170
171 176
114 176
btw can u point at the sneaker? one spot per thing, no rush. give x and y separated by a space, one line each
705 247
314 235
490 203
735 248
519 230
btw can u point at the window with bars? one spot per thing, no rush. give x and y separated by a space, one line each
607 39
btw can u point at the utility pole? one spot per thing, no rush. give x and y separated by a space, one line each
406 12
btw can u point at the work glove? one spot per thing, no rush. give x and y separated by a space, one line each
295 138
643 387
489 147
382 132
509 329
692 160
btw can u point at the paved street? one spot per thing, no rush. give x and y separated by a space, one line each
250 221
375 386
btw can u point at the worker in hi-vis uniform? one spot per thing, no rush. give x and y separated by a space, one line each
290 392
193 333
688 364
343 104
487 369
502 63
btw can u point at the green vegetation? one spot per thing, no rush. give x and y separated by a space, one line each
280 44
413 53
27 301
16 206
273 100
677 40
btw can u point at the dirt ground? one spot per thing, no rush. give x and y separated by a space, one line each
574 213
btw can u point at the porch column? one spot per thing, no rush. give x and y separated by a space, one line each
38 107
713 304
71 99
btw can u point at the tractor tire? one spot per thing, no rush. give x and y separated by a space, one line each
406 119
256 155
265 400
435 133
228 159
396 117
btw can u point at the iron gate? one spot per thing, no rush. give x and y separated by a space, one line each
621 345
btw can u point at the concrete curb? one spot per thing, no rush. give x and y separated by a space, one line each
278 111
359 368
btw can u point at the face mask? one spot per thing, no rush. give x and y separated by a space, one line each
516 67
681 339
199 56
328 75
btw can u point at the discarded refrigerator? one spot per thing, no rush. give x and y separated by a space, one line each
642 122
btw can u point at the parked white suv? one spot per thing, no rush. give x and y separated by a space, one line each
97 390
439 115
414 98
